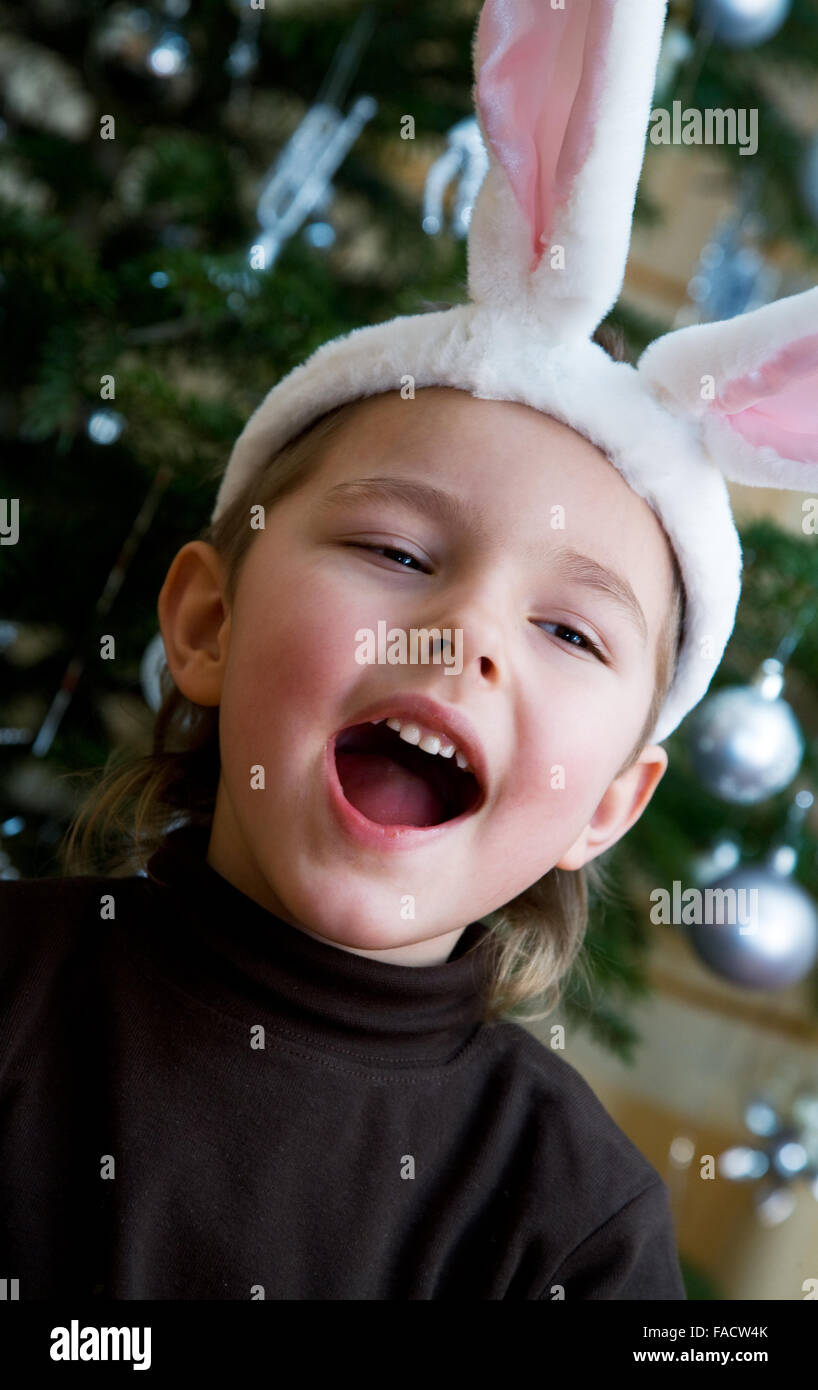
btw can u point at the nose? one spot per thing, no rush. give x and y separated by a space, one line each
483 643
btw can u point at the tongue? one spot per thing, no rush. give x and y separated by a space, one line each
387 793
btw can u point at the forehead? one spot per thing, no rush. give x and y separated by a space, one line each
524 479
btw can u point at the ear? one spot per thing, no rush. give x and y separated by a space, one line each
752 382
195 627
622 805
563 95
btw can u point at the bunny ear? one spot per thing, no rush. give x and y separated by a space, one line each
562 94
752 381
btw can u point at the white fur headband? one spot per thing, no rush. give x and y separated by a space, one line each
563 98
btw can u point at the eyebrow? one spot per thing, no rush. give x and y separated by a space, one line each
442 506
591 575
458 514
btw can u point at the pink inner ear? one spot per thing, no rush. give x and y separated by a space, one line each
777 404
540 72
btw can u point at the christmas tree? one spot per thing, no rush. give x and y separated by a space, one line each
137 174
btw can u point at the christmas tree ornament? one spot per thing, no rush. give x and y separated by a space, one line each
742 23
762 929
242 59
321 235
786 1156
741 1162
243 55
464 159
777 943
105 426
146 58
300 178
299 182
744 742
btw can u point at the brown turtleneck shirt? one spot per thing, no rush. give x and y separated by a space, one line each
200 1101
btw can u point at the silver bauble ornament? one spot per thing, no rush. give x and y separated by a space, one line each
745 743
771 940
742 23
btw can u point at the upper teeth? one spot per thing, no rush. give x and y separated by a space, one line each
427 740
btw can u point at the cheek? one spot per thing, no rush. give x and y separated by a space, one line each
569 751
290 657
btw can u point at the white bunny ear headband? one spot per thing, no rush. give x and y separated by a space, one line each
563 98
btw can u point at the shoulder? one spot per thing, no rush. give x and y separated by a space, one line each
560 1102
44 920
30 903
51 955
601 1198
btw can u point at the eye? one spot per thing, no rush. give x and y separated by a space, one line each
388 550
584 642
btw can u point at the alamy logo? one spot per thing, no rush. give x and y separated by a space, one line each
710 906
9 525
393 648
709 127
102 1344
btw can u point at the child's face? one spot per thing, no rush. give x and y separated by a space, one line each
555 721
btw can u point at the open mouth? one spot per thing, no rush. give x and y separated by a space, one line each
393 782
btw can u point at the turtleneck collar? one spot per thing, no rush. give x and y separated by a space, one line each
243 960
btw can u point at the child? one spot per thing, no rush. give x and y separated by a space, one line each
275 1063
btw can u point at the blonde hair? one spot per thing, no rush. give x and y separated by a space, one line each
533 940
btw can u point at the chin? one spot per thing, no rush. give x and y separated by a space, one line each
360 937
367 930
